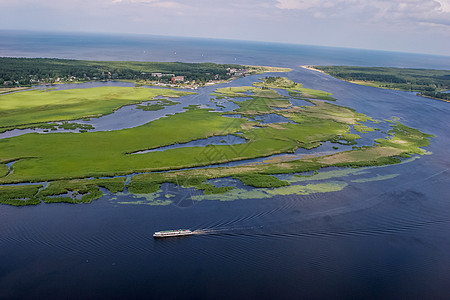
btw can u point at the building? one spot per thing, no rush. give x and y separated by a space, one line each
177 79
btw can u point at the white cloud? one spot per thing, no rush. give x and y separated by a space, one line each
418 11
297 4
445 5
163 4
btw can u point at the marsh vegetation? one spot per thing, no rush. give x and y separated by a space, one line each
67 159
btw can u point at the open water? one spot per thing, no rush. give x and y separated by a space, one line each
380 239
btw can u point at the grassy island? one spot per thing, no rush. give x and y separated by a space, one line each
79 165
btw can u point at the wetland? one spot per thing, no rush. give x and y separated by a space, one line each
189 147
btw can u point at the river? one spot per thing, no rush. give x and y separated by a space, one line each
385 235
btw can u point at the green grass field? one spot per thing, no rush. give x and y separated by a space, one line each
41 106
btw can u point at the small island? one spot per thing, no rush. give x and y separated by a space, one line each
74 167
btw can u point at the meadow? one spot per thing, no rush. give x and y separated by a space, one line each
31 108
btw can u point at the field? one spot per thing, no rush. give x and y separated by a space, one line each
60 158
29 108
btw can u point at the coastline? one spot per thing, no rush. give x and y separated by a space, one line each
420 81
312 69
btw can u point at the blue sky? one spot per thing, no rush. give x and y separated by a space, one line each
420 26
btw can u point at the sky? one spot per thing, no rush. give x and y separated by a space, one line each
418 26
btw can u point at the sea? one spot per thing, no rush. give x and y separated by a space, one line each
385 235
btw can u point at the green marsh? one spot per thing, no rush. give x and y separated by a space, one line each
67 158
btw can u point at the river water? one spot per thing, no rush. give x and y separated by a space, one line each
374 238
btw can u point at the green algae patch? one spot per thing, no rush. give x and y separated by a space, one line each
43 106
152 199
151 203
376 178
19 195
233 195
309 189
327 175
262 193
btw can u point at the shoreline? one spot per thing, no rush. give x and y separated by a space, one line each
312 69
406 80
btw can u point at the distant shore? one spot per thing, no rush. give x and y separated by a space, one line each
312 69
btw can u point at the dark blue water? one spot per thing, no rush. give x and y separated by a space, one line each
159 48
374 238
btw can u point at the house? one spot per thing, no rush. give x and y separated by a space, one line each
177 79
241 72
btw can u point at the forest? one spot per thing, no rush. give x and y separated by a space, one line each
16 72
429 83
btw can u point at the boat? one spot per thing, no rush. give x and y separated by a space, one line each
171 233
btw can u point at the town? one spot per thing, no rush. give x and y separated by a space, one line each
24 72
180 81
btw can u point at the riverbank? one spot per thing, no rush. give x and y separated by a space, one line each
427 82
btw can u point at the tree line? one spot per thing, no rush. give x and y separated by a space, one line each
428 82
29 71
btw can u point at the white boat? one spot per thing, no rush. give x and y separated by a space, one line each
171 233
